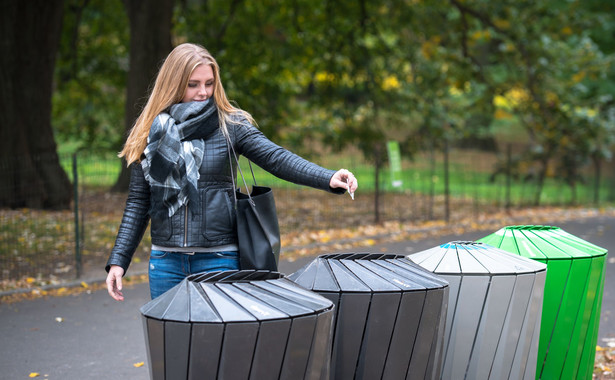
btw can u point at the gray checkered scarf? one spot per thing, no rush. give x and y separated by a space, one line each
174 153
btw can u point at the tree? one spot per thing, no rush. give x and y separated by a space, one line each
89 98
31 172
150 43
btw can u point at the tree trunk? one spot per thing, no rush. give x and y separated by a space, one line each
447 192
432 183
542 175
597 173
150 43
377 168
29 166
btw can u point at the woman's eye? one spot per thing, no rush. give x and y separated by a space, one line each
191 85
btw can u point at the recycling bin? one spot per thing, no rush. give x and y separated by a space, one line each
390 315
238 325
495 301
573 296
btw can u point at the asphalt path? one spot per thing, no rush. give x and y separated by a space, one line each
90 336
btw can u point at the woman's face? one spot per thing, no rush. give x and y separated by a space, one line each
200 85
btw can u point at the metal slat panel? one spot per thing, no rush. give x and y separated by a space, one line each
346 279
237 350
377 336
465 324
438 348
226 307
349 327
491 326
286 306
509 340
270 349
205 348
423 355
319 363
324 279
299 346
260 310
404 335
201 309
155 332
176 349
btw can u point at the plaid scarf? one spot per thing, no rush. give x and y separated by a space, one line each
174 153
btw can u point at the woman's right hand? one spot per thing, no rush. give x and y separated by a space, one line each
114 282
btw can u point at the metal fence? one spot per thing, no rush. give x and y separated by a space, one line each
48 246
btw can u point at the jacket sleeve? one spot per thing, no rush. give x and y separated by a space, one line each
134 222
280 162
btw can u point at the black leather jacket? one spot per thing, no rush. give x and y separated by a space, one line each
213 224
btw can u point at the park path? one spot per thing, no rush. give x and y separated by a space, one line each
90 336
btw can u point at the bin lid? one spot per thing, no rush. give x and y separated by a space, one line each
542 242
365 272
235 296
469 257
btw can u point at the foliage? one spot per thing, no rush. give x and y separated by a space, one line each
88 104
319 76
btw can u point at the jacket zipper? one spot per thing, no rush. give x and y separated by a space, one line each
185 225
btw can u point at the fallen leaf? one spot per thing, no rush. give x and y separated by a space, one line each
139 364
83 284
34 374
59 319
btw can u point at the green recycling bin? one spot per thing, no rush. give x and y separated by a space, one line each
572 299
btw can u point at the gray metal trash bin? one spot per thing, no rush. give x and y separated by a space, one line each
390 315
238 325
495 303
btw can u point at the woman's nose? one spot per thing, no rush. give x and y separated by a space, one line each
203 90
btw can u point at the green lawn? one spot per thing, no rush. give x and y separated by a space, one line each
469 177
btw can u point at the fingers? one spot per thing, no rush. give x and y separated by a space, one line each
114 283
345 179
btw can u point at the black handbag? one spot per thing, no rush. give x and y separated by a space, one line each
258 232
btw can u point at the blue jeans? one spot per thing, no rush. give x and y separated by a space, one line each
167 269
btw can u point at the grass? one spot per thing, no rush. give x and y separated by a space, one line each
469 177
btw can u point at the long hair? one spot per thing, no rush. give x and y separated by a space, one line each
170 87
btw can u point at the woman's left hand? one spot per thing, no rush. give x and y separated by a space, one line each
345 179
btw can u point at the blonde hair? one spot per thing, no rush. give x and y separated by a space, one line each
170 87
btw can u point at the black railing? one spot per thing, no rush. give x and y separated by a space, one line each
56 245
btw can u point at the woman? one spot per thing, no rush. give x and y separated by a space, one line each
181 174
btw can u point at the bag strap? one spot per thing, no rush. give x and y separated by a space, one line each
252 204
230 148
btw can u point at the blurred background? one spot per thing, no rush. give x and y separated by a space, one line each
445 110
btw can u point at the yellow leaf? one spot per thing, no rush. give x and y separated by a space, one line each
502 23
34 374
62 290
576 78
30 280
566 30
598 349
84 284
500 114
390 83
139 364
